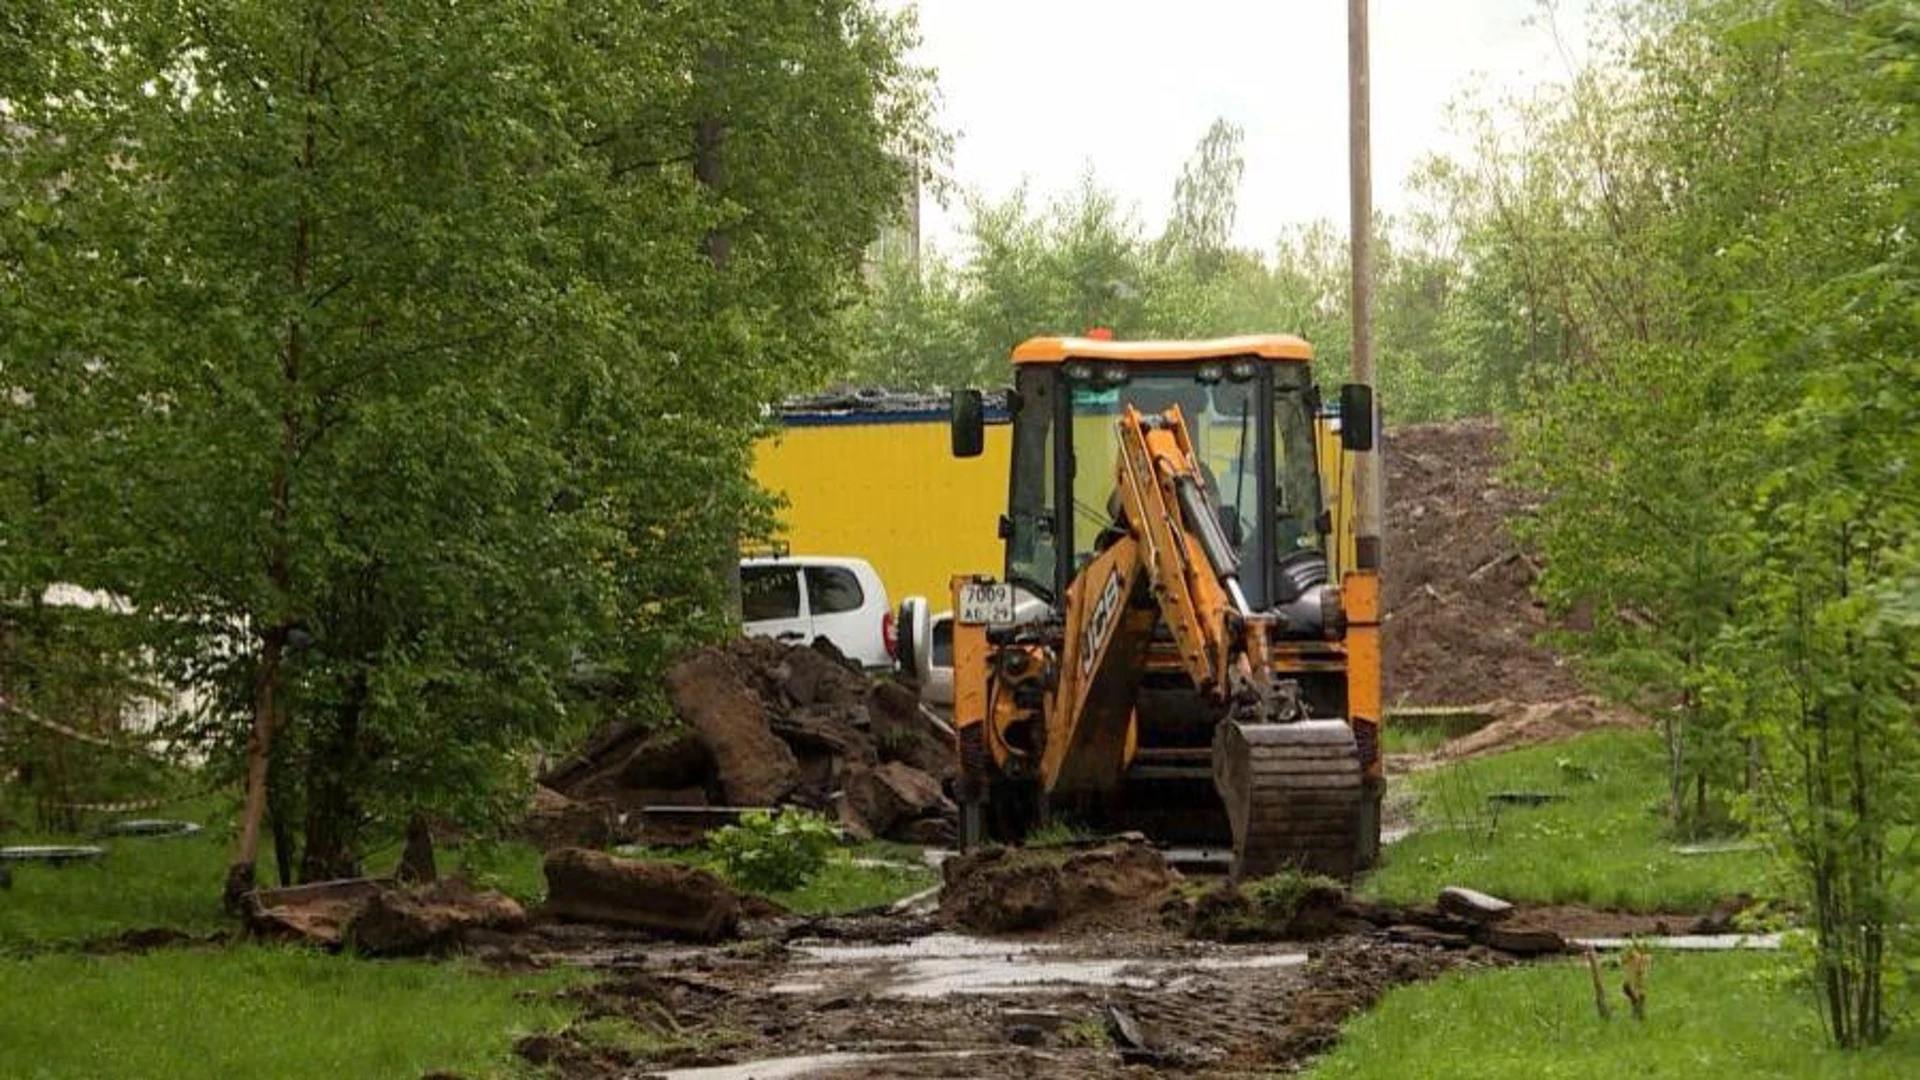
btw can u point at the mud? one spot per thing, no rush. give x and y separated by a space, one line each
1462 624
997 889
898 996
957 1005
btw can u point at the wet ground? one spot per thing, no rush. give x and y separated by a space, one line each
881 998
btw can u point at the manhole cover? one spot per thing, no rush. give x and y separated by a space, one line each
1525 798
150 827
50 853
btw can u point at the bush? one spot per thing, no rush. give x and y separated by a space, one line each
769 852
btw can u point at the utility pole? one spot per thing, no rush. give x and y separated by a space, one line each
1366 481
1366 693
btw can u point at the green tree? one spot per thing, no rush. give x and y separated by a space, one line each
412 393
1206 200
1711 237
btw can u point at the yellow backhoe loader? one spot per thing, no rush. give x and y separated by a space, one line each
1182 641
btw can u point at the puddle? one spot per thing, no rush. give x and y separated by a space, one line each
1689 942
790 1068
945 965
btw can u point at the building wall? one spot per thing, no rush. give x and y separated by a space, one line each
891 492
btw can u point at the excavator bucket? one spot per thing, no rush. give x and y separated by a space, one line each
1293 796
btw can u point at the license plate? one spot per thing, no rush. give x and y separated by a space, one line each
986 603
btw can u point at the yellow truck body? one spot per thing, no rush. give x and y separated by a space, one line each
880 484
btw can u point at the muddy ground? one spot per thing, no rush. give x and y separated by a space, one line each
905 997
1108 975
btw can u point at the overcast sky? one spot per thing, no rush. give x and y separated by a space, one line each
1041 89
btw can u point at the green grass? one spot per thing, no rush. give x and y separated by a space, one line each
262 1013
1710 1017
1418 732
1403 739
140 884
623 1036
843 886
174 883
1059 832
515 867
1606 845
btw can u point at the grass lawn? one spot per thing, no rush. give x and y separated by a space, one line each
141 883
1605 844
262 1013
862 877
1413 740
1709 1017
856 878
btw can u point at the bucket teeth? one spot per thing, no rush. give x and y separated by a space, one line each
1293 795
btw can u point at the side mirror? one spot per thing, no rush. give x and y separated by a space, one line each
1356 417
969 423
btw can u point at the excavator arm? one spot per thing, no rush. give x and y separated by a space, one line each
1156 564
1291 785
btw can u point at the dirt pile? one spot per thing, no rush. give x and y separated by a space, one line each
757 724
999 890
662 898
1461 617
1285 907
1516 725
380 917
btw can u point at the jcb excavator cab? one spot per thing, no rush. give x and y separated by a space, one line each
1181 641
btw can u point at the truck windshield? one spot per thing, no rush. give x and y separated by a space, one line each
1223 419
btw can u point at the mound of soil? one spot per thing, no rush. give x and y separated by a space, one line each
998 890
1461 619
1225 912
1517 725
661 898
379 917
760 723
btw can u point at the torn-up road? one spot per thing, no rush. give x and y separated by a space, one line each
1111 974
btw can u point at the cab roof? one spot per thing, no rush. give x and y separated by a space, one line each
1054 350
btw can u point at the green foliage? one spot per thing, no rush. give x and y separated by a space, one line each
1079 260
1714 1017
1710 245
1277 897
1606 844
384 358
773 852
1057 833
859 881
853 879
263 1012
